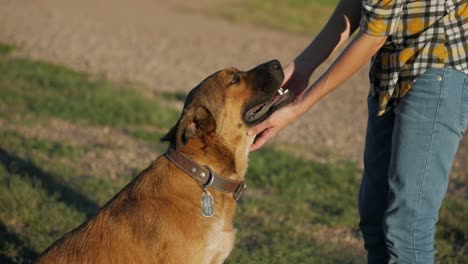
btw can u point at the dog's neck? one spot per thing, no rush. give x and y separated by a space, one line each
225 162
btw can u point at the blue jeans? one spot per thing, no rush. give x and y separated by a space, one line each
407 160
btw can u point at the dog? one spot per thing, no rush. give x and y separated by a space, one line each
180 209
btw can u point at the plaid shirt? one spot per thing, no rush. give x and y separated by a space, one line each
422 34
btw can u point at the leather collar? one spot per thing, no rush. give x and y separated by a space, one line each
205 175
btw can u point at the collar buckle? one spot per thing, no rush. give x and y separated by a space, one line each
210 179
239 191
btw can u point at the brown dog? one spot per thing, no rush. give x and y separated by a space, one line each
180 209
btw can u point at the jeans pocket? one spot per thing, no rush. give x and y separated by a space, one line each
426 95
429 83
432 74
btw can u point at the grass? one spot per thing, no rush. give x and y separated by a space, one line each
452 231
308 186
296 198
73 96
6 49
295 210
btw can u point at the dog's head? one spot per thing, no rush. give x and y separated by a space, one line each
224 105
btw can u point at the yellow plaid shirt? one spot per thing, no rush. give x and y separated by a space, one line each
422 34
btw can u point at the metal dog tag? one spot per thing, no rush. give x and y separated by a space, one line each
207 204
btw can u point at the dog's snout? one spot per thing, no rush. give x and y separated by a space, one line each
273 65
270 66
263 75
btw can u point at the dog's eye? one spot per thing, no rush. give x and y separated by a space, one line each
235 79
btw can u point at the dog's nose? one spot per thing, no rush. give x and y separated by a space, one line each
274 65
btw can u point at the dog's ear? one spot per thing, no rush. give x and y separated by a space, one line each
194 122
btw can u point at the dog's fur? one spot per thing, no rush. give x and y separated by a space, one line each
157 217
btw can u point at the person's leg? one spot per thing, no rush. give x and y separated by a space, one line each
374 184
427 131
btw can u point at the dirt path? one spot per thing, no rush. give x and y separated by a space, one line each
154 42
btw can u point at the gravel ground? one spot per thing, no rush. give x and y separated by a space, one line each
156 43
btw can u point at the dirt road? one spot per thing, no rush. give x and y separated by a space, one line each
158 44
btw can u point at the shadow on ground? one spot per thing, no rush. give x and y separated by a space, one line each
27 255
74 199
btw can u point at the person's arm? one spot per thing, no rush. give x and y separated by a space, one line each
358 52
378 20
342 23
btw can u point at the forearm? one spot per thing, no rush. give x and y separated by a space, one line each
342 23
359 52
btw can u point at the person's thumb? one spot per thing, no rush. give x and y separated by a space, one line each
258 128
259 142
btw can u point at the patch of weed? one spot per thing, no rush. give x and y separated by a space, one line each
146 135
39 89
34 214
6 49
176 96
324 193
452 231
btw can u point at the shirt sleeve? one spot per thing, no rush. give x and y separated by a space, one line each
380 18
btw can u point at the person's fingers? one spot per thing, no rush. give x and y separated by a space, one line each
255 146
270 127
258 128
261 140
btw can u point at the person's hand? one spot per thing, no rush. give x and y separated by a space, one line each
271 126
296 81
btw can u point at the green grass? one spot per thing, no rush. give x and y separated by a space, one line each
47 187
146 135
452 231
38 200
6 49
175 96
296 197
37 89
308 186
